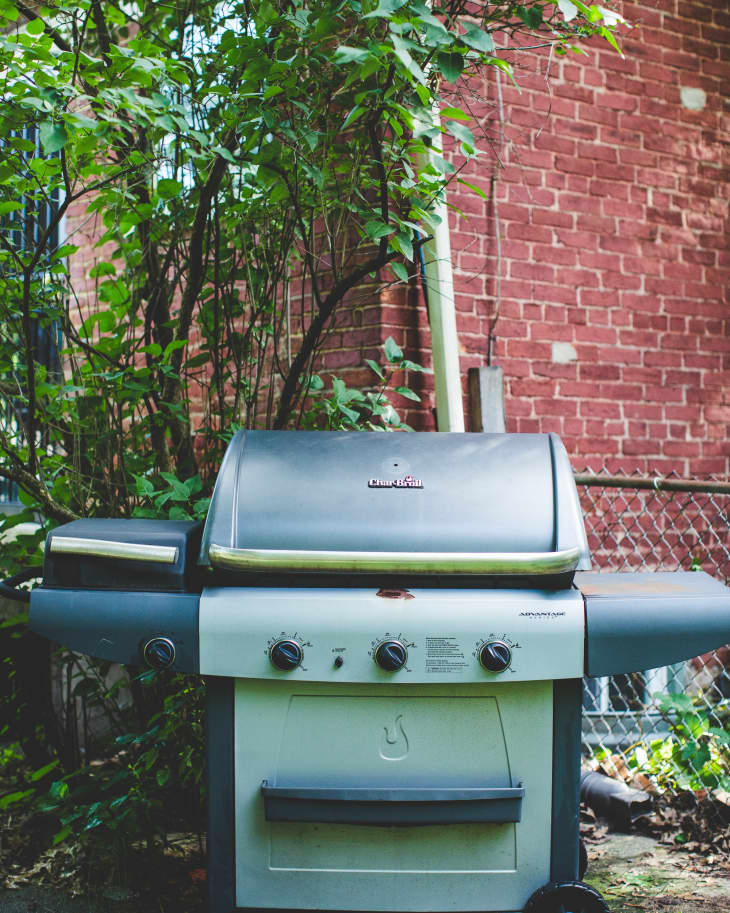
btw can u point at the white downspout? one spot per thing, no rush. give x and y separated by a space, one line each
439 282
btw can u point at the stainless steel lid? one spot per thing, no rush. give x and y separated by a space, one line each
418 502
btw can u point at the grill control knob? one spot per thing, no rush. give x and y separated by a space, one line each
495 656
159 653
285 655
391 655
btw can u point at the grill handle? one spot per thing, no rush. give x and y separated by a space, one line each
488 564
399 807
108 548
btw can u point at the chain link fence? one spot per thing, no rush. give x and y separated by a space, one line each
664 523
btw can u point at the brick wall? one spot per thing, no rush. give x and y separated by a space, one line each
612 208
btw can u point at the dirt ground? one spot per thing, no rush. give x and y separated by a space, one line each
634 873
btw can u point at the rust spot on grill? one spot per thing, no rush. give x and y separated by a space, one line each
395 594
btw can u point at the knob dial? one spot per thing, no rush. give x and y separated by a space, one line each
391 655
285 655
159 653
495 656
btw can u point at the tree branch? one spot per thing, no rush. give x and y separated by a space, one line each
58 39
33 486
309 342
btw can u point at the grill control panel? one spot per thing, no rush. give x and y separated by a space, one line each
371 635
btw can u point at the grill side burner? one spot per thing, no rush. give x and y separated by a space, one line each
393 630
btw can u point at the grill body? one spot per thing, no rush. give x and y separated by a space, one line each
346 744
393 631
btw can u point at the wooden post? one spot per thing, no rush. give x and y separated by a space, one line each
486 399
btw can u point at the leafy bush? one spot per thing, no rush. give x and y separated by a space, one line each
695 756
345 409
154 782
148 776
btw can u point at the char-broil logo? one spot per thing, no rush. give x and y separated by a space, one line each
394 741
405 482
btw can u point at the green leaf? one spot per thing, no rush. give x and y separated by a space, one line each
455 114
172 347
403 54
35 27
162 777
393 351
424 94
402 242
167 188
12 798
80 121
197 361
400 270
375 229
53 137
609 36
412 366
345 54
9 206
58 790
385 9
530 15
102 268
224 153
66 250
477 190
42 771
145 487
61 835
477 38
463 134
356 112
408 393
451 65
8 11
105 320
375 368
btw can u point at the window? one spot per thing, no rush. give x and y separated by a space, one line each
22 228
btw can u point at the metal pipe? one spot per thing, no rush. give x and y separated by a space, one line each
614 800
439 280
655 484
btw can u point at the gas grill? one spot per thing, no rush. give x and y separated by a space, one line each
393 629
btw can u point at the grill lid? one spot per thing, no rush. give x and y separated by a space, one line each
373 502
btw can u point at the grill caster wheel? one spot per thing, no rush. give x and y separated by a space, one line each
582 859
566 897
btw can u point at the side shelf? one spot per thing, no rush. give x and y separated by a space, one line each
643 620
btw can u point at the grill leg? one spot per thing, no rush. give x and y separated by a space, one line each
565 831
219 747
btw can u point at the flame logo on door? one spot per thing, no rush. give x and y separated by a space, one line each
394 741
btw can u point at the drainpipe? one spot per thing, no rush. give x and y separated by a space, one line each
439 295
